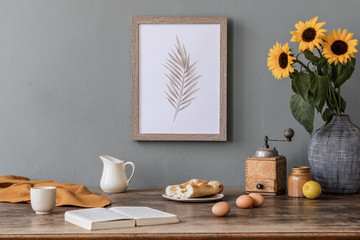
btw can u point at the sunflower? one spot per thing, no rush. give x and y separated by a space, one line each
280 61
309 34
339 47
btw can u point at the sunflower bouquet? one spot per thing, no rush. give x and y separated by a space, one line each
330 61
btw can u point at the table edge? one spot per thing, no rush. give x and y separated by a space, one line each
197 236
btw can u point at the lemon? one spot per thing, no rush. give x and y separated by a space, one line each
311 189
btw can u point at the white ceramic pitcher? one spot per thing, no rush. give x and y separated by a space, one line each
113 179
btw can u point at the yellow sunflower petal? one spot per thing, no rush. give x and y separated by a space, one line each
301 47
293 39
313 21
343 35
319 25
330 38
349 36
339 32
311 46
341 58
321 30
353 42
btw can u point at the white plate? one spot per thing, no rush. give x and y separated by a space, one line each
203 199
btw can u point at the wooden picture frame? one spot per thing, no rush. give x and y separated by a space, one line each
179 85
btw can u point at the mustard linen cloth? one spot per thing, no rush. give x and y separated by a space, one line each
17 189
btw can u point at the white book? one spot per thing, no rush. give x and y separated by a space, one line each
118 217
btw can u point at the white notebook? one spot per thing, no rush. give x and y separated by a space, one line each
118 217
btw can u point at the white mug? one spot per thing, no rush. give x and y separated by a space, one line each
43 199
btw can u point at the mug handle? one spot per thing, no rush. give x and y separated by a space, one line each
132 174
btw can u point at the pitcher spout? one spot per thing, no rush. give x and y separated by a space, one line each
109 160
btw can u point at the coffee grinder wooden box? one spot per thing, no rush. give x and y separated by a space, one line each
266 175
266 170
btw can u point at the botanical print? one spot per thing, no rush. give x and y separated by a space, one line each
182 78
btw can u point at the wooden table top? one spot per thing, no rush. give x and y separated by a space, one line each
329 217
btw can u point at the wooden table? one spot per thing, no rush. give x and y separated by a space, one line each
281 217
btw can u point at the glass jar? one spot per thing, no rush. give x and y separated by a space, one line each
297 178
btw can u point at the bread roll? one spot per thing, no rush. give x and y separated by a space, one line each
194 188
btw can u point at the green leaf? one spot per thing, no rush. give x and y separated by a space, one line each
303 112
319 88
327 115
293 76
294 73
302 84
319 70
333 71
344 72
293 86
311 57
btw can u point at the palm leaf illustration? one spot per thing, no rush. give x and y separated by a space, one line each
182 78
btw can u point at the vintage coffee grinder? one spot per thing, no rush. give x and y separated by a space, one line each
266 170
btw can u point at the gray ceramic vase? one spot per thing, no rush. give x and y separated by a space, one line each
334 156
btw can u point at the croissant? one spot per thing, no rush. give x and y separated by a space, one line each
194 188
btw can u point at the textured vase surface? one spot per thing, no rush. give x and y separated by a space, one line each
334 156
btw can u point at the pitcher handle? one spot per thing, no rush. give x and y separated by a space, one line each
132 174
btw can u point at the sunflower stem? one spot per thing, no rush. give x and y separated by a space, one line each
339 99
304 66
297 55
332 90
336 103
320 55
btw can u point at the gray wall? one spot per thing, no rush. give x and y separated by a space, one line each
65 88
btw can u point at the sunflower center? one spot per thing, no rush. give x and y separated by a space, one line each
339 47
308 34
283 60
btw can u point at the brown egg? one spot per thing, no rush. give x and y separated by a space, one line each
258 199
221 209
244 201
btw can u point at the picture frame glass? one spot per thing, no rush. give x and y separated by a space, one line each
179 78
